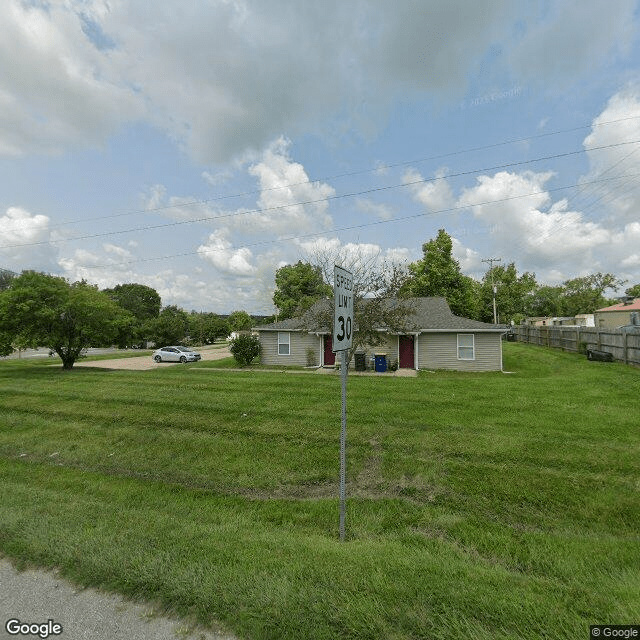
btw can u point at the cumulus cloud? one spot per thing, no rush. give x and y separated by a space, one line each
105 266
288 201
24 241
435 194
523 217
219 251
56 89
356 255
618 124
468 259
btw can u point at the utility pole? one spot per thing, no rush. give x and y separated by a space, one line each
493 286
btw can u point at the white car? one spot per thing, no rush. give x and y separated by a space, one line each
176 354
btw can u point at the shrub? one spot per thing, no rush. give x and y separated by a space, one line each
245 348
311 358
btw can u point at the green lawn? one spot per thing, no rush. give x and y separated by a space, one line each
481 505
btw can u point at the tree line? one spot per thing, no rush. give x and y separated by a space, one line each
42 310
438 273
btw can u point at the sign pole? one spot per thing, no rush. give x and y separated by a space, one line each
342 339
343 447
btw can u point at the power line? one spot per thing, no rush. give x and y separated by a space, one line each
339 229
383 167
316 201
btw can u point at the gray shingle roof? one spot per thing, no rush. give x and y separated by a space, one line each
431 314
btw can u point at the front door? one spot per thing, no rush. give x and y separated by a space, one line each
329 356
406 357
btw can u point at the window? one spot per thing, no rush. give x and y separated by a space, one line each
284 344
466 348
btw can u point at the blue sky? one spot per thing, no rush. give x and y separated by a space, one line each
197 147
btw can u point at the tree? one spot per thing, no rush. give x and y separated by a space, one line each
547 301
239 321
513 294
438 274
44 310
377 298
141 301
6 277
298 286
585 295
633 291
170 327
245 348
206 328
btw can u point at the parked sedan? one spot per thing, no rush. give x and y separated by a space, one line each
176 354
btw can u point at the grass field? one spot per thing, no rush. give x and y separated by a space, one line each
480 505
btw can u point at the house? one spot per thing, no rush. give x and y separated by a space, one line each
618 315
437 340
585 320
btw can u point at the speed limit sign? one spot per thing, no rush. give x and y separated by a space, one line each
343 309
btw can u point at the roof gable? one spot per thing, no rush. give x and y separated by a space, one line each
633 306
430 314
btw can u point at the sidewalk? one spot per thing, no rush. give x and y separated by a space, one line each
35 596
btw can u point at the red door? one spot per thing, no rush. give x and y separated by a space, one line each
406 359
329 356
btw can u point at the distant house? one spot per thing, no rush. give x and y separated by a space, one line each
581 320
437 340
585 320
618 315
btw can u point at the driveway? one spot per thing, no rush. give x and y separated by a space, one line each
143 363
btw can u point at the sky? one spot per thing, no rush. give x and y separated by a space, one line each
196 147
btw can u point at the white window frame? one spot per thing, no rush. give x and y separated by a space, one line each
464 348
282 343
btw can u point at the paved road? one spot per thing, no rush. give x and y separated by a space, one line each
43 352
36 596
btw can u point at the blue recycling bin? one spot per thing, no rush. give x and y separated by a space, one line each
381 362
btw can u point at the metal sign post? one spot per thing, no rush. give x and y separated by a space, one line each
342 340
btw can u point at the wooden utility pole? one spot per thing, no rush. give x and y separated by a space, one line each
493 286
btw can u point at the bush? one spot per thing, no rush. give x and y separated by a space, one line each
245 348
311 358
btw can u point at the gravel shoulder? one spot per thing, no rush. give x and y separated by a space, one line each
145 363
35 596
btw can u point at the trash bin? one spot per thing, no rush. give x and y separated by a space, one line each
360 361
381 362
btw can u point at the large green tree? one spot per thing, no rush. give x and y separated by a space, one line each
48 311
298 287
438 274
141 301
206 328
6 277
513 294
633 291
586 294
239 321
170 327
547 301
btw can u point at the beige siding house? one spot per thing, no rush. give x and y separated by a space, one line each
618 315
437 340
